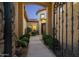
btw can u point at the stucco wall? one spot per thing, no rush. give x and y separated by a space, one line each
24 21
50 19
20 18
16 18
67 40
31 23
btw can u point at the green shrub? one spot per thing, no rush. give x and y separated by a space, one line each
29 30
21 43
25 37
55 42
33 33
45 38
50 41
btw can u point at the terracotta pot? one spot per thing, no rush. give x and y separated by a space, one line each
24 51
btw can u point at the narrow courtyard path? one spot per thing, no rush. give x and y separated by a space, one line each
37 48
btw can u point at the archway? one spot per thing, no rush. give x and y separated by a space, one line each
49 8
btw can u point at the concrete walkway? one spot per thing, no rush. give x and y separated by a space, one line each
38 49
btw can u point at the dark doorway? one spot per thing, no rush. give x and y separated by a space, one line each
43 28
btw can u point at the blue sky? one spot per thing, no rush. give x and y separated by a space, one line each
31 10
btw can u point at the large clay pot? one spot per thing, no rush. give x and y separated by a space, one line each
18 51
24 52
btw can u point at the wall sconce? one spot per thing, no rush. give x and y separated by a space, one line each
43 21
42 18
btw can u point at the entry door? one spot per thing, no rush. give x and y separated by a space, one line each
43 28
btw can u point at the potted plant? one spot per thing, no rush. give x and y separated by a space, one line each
22 45
18 48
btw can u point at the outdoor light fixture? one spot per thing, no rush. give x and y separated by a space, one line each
43 20
42 16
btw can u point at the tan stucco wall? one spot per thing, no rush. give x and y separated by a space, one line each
69 27
33 23
20 18
16 18
50 19
24 21
76 22
64 27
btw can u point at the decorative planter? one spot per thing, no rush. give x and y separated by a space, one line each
24 52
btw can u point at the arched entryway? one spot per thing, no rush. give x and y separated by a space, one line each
49 8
